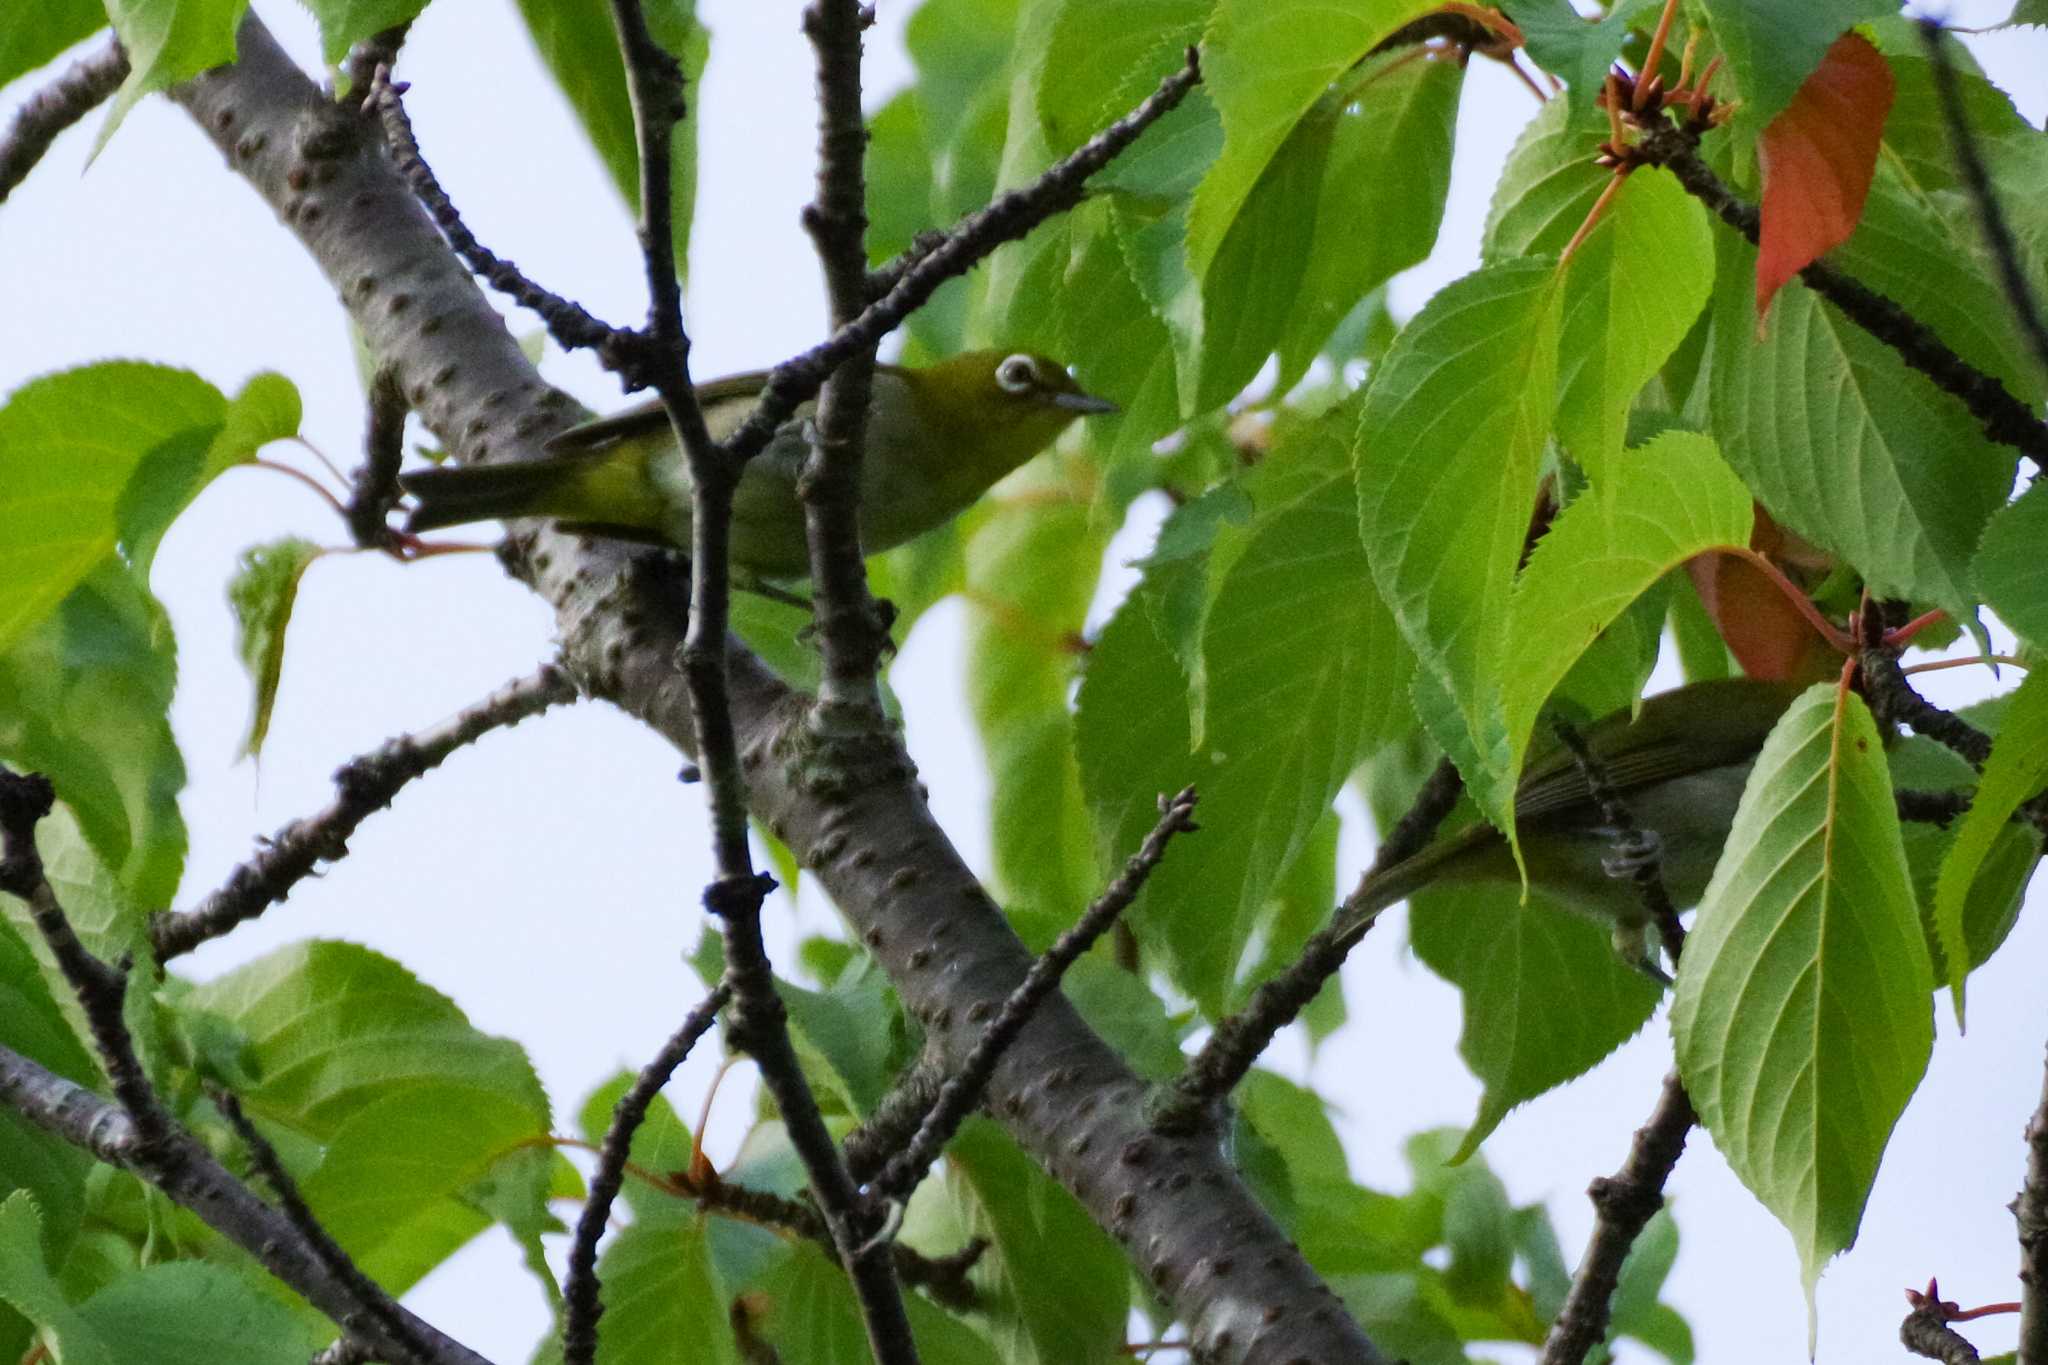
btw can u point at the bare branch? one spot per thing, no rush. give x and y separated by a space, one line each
56 107
2030 1211
1623 1205
141 1136
375 490
567 321
1242 1038
581 1307
2018 293
962 1092
366 784
2004 418
851 633
1009 217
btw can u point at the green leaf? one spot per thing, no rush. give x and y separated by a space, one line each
1772 48
1634 289
71 446
1916 131
1506 957
580 49
31 1159
1577 50
352 1058
1057 1285
1110 54
1289 633
197 1313
1993 904
1906 248
1802 1017
391 1186
852 1037
85 699
1636 1311
1400 128
812 1316
1636 286
262 593
1031 570
2017 768
1266 66
2010 569
344 23
1847 446
1662 504
1453 428
167 41
660 1144
28 1287
34 34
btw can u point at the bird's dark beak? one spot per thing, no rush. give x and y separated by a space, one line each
1084 403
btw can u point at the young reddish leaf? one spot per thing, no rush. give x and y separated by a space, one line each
1818 157
1765 631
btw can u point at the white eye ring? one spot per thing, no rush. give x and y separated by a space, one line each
1017 374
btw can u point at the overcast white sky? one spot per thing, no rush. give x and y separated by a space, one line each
548 879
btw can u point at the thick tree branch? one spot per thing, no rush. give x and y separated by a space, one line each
365 785
1062 1091
2030 1211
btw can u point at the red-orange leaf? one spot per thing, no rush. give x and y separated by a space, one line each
1818 156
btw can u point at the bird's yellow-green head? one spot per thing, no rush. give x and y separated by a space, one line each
1005 406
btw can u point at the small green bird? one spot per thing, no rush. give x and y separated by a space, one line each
1678 768
937 438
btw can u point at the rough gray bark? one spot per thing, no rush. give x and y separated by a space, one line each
1176 1204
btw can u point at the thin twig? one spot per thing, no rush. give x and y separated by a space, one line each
850 632
373 491
377 50
25 799
2019 295
567 322
139 1134
365 785
2004 418
1926 1331
581 1306
1005 219
962 1092
1895 702
56 107
759 1026
263 1157
1623 1205
1241 1039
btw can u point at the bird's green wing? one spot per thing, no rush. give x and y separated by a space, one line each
1687 730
